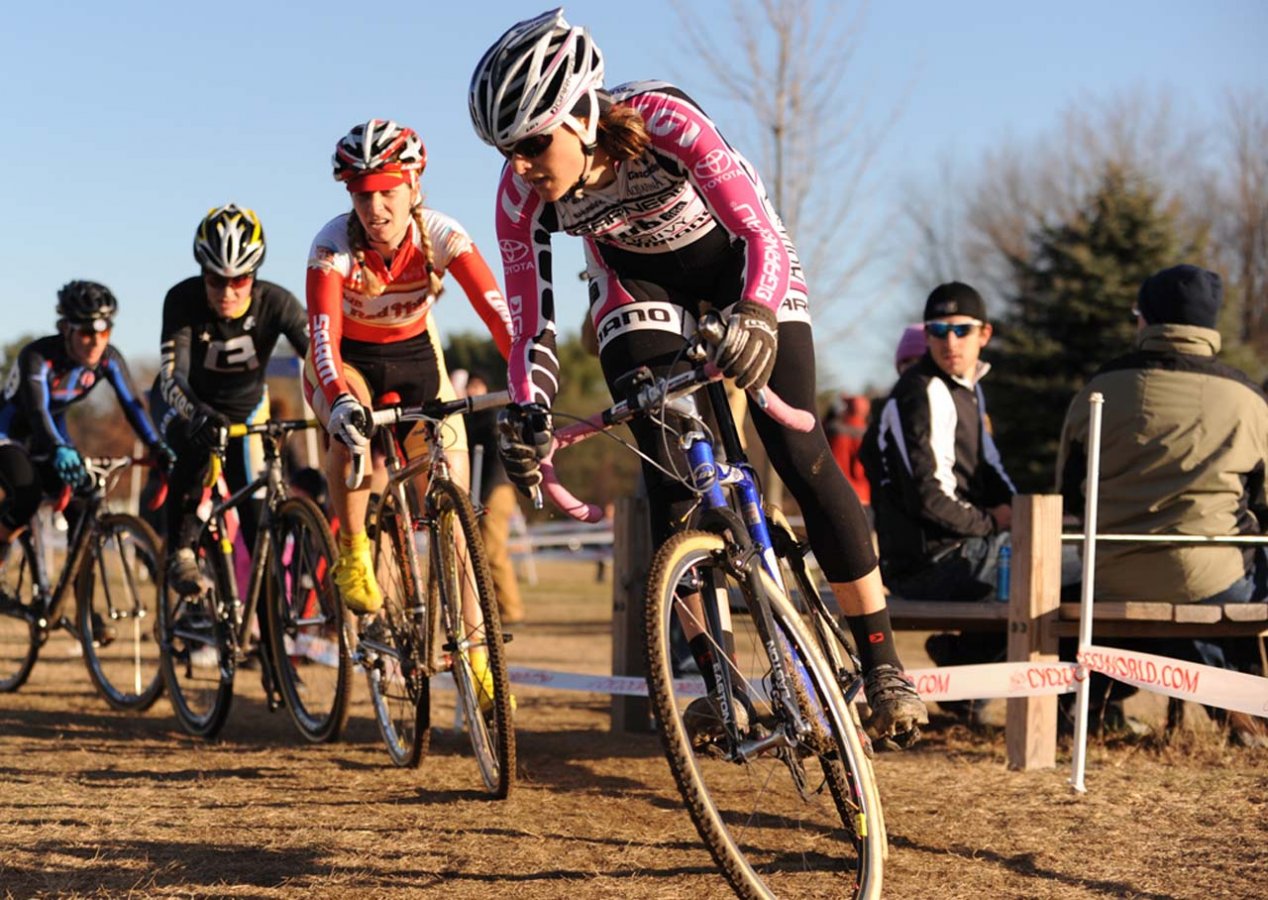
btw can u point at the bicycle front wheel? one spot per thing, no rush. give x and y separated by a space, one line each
306 621
197 647
393 646
782 796
19 634
118 591
461 569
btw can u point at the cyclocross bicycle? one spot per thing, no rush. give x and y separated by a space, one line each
773 765
291 600
440 613
112 565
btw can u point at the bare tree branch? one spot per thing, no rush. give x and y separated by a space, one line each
787 63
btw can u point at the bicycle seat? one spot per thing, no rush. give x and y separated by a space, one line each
390 398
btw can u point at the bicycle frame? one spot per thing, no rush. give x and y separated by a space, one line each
708 475
237 612
103 470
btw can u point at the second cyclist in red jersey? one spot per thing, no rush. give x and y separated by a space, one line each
374 275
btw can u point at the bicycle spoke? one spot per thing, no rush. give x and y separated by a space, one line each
771 777
307 621
118 594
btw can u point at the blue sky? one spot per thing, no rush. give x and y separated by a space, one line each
125 121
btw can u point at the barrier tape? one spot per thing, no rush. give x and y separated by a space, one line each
1187 681
947 683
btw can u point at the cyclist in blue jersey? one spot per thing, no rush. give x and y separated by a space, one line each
37 458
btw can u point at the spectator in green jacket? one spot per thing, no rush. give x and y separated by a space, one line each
1184 443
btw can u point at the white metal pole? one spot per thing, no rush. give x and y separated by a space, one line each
1096 404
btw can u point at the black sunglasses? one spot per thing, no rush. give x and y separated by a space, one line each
530 147
940 330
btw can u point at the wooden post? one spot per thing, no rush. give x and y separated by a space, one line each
631 562
1031 726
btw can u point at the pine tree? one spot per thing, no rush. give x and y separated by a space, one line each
1072 314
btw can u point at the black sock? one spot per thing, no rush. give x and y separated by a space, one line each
875 639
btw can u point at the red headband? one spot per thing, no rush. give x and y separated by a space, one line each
378 180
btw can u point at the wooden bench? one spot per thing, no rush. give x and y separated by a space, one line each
1035 618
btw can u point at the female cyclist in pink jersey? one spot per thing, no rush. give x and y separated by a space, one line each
374 275
675 222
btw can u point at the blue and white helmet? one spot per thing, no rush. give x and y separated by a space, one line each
530 81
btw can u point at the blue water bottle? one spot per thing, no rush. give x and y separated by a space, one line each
1003 573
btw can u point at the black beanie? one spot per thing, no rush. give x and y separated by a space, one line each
1181 295
955 299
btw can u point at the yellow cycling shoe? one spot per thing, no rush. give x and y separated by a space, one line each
354 576
482 675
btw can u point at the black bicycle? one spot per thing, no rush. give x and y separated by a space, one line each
291 600
112 566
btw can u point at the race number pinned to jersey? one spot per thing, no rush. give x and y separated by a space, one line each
234 355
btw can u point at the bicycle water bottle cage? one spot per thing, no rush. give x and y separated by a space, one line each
628 386
390 398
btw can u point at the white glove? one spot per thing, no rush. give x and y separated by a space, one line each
349 423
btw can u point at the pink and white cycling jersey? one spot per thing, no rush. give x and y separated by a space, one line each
689 185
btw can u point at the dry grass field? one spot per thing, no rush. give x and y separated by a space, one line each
97 803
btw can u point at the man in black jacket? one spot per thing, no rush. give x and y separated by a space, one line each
941 494
939 490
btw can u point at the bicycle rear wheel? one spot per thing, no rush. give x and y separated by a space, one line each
393 647
783 812
19 634
461 567
197 647
306 621
118 589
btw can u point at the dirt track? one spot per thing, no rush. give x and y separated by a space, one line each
99 803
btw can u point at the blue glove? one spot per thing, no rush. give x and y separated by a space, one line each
70 467
164 457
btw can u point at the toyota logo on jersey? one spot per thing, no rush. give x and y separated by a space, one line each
512 251
715 163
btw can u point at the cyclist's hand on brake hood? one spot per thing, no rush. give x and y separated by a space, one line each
524 436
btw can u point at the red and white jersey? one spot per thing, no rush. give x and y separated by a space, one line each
339 306
649 223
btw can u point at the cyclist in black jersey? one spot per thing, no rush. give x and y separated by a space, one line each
219 331
37 458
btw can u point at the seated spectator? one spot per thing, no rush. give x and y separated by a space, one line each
1184 444
940 493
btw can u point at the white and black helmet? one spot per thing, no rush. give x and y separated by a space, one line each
378 145
533 78
229 241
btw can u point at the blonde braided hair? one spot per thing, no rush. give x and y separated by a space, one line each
371 286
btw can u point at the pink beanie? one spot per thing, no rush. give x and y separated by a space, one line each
912 343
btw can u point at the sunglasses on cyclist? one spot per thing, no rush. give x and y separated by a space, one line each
219 281
940 330
530 147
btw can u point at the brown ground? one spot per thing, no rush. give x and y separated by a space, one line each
98 803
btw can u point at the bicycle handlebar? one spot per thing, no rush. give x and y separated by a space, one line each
661 391
432 411
101 468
